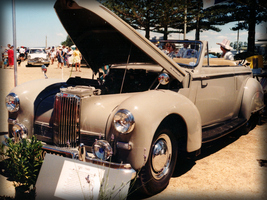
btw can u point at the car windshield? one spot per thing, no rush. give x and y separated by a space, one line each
36 51
185 53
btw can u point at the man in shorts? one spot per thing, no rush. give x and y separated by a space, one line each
21 54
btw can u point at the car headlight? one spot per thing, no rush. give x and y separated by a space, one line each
19 131
102 149
124 121
12 102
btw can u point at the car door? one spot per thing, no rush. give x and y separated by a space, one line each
215 98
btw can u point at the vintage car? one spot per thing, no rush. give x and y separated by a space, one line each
38 56
149 110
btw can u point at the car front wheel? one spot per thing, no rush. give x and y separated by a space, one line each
156 173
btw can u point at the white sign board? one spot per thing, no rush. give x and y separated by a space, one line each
65 178
79 181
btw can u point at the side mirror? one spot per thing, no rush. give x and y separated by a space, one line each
164 79
44 69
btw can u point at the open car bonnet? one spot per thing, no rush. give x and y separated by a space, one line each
103 38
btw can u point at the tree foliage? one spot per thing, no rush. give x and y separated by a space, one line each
248 13
169 16
207 19
68 42
140 14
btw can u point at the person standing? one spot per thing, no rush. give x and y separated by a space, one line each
69 57
60 58
2 55
64 54
77 56
52 55
10 53
226 50
5 58
21 55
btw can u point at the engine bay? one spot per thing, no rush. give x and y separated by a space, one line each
123 80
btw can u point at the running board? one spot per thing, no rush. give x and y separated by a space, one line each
212 133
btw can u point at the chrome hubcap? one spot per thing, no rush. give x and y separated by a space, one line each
161 156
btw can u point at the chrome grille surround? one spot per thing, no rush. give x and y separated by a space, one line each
66 120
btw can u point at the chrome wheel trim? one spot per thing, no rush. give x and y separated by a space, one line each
161 156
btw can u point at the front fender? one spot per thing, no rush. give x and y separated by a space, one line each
149 110
253 98
27 93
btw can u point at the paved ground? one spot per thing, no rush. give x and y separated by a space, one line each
226 169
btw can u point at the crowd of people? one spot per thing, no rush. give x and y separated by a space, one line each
187 51
190 50
64 55
7 56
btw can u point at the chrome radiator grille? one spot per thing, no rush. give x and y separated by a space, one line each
66 120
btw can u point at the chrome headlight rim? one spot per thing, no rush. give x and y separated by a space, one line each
124 121
14 104
19 131
102 149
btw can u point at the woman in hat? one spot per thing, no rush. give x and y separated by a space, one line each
225 47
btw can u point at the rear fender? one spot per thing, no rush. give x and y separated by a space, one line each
253 98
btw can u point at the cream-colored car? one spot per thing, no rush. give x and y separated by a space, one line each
148 110
38 56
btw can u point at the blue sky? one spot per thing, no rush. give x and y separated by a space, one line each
37 23
36 20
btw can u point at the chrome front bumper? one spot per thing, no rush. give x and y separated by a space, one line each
39 61
80 154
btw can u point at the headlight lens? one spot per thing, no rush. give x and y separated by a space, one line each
19 131
102 149
124 121
12 102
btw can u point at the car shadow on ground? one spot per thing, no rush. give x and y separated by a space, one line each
184 165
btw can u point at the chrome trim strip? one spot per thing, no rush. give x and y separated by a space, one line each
220 76
92 133
42 124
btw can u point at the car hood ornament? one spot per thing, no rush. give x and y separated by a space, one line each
103 38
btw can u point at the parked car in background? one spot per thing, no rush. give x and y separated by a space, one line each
149 110
38 56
